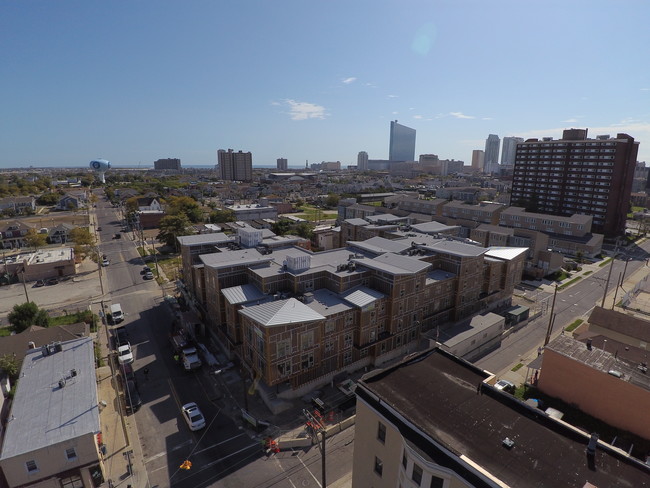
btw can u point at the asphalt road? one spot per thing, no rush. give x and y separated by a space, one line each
224 454
571 303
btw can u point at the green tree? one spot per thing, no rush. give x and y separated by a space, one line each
26 315
9 364
185 205
304 229
35 239
173 226
221 216
332 200
82 236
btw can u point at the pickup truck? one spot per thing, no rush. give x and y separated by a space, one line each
191 359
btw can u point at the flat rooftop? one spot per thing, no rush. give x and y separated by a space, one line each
438 393
44 413
51 255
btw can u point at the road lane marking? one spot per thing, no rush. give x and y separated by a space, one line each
164 453
286 476
210 464
308 470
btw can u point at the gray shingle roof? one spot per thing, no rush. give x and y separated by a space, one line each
214 238
394 264
281 312
45 414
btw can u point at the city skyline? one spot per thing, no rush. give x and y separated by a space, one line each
133 83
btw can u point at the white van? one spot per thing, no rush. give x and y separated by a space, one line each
116 313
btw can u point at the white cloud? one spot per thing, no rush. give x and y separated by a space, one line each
571 121
487 118
645 89
395 113
461 115
349 80
274 103
305 110
417 117
393 96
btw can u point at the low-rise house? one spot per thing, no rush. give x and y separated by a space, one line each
13 234
51 436
18 205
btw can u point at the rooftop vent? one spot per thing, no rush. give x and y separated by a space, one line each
508 443
62 383
615 373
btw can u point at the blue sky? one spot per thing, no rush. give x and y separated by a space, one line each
134 81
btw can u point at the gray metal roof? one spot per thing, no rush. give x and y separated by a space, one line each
506 253
384 218
242 294
241 257
362 296
433 226
380 245
281 312
327 303
394 264
43 413
212 238
356 221
457 248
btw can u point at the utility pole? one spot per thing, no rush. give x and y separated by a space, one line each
24 285
602 305
318 427
551 319
620 283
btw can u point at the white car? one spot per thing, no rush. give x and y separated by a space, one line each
105 262
124 354
193 416
506 386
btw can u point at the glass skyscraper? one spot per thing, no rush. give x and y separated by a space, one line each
402 143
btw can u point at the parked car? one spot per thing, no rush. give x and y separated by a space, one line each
126 374
51 281
148 275
146 269
99 229
38 284
117 236
105 261
506 386
120 336
125 354
132 399
193 416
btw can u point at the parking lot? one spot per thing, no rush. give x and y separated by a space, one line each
70 294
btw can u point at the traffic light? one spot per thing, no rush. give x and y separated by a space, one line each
187 464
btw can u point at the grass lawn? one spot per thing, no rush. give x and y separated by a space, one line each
313 214
170 266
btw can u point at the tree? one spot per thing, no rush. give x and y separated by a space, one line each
221 216
332 200
82 236
9 364
173 226
304 229
185 205
26 315
35 239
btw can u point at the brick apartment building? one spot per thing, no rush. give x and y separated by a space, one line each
296 318
577 175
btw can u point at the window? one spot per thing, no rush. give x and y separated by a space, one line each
307 360
31 467
379 466
436 482
381 432
283 348
307 340
347 341
417 474
72 482
71 454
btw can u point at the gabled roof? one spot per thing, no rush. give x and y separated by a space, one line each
394 264
362 296
281 312
379 245
506 253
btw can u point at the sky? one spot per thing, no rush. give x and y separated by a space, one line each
134 81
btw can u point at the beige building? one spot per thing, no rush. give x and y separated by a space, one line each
235 166
436 421
601 383
52 432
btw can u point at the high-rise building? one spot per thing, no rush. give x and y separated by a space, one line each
491 164
478 159
235 166
577 175
402 142
283 164
173 164
509 148
362 161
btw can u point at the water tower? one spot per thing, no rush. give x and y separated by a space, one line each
100 166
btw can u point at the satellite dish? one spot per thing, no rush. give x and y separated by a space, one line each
100 166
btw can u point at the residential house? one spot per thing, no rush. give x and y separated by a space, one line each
18 205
